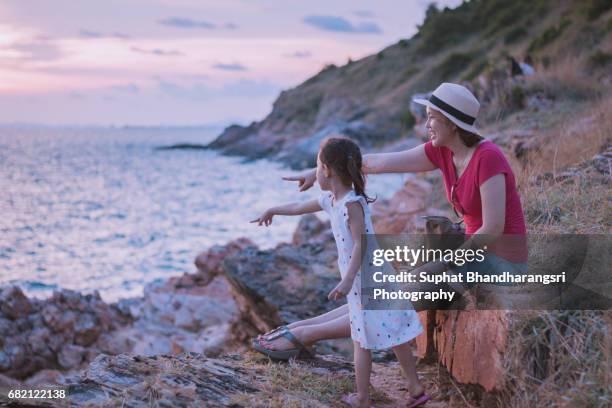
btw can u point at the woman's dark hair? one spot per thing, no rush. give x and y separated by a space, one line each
344 157
468 138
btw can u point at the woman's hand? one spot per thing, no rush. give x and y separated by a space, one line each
265 218
341 290
305 180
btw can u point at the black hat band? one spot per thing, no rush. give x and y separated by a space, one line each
453 111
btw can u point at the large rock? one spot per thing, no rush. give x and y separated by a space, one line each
311 229
183 380
46 378
60 331
208 262
8 383
71 356
190 308
86 329
185 313
282 285
192 380
13 303
401 212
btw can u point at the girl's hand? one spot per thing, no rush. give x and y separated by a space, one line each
341 290
265 218
305 180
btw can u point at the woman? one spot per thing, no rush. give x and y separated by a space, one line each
479 184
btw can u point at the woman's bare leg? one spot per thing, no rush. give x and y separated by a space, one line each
325 317
337 328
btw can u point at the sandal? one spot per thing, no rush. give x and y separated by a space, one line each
271 332
300 351
420 400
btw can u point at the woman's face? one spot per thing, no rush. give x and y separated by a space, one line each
323 173
440 129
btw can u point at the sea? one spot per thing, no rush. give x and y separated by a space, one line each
104 209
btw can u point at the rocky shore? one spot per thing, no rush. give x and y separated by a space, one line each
190 323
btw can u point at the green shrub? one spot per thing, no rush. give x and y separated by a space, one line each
444 28
507 16
453 65
407 120
380 55
517 97
549 35
514 35
410 71
403 43
600 59
307 111
595 8
477 69
448 27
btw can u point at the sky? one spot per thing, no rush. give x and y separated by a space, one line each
179 62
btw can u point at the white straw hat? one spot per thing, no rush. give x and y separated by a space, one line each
455 102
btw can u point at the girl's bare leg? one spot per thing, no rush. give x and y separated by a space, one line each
408 363
363 370
336 328
325 317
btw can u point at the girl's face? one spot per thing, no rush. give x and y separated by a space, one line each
440 129
323 175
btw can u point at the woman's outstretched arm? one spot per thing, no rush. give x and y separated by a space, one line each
408 161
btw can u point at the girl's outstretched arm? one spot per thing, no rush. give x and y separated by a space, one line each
288 209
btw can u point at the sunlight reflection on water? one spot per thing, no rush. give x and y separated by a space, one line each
102 209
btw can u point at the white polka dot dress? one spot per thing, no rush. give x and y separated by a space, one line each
373 329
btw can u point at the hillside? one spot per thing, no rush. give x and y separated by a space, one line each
369 99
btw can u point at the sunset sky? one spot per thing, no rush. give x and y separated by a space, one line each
179 62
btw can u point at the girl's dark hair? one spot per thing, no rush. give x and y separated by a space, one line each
468 138
344 157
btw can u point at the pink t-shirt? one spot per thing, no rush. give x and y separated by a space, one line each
487 161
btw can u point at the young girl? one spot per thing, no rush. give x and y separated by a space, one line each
340 177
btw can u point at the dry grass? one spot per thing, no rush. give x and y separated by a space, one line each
293 384
572 199
559 359
562 358
563 80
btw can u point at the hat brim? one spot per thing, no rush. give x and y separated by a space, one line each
462 125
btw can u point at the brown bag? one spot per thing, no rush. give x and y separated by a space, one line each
442 233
